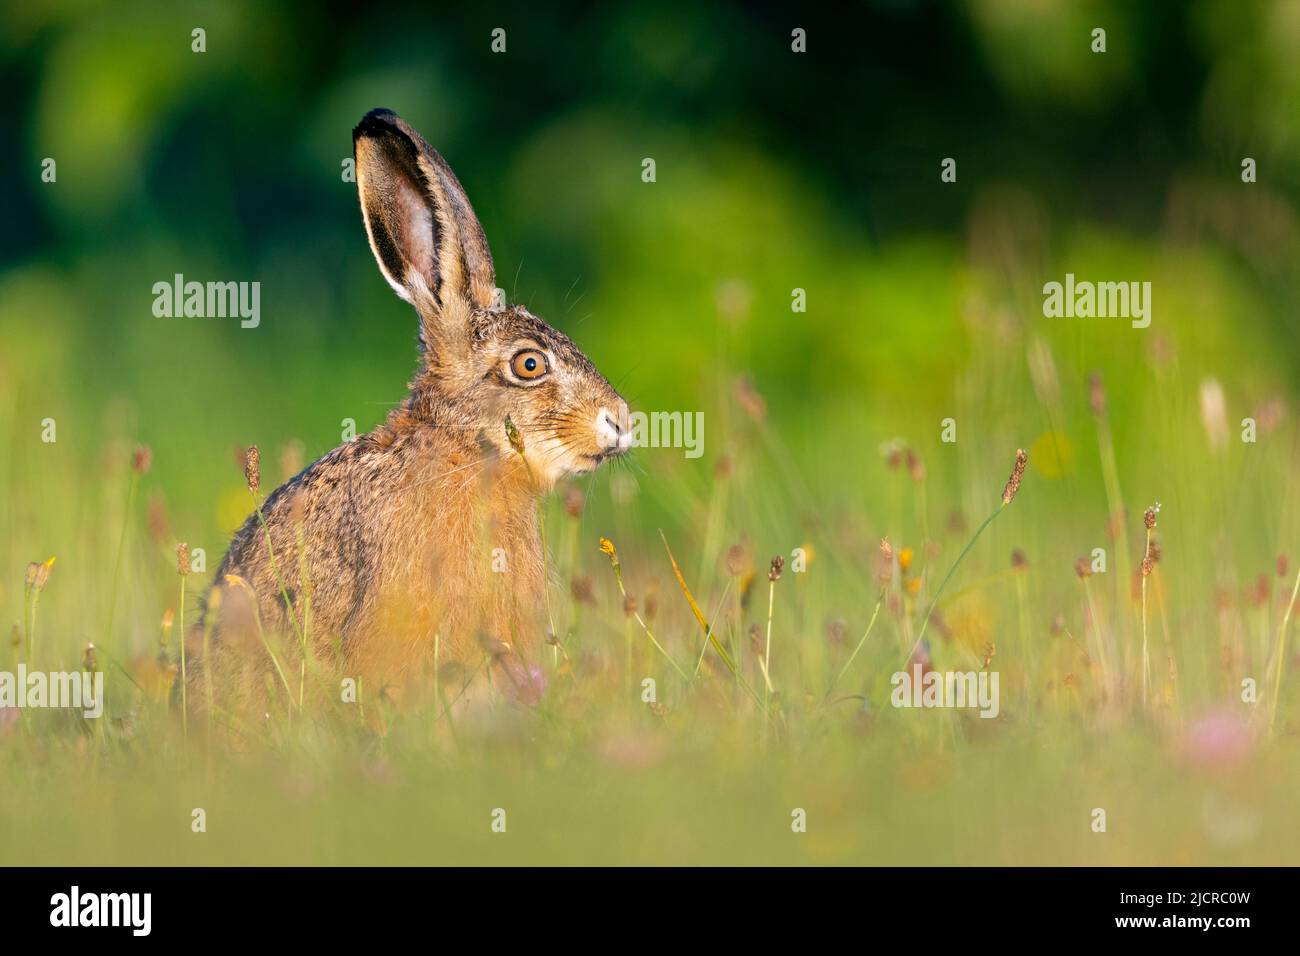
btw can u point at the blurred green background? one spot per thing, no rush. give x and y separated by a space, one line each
775 171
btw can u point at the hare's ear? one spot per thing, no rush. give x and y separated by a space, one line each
425 236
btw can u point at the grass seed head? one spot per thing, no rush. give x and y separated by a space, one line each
1017 473
1149 516
748 398
253 468
1096 394
88 659
297 507
512 435
778 565
915 467
291 455
737 560
1083 568
141 458
574 502
37 575
183 559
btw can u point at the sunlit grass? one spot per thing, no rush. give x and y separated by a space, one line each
690 710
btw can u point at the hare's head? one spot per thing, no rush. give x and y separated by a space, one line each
482 361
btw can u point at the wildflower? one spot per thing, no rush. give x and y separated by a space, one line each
1218 740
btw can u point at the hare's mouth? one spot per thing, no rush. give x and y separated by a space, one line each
600 457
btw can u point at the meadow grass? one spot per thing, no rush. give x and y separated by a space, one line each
827 562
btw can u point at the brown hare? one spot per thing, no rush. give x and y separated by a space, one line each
425 529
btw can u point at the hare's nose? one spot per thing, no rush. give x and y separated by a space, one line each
614 428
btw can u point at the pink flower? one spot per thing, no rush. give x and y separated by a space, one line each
525 685
1219 739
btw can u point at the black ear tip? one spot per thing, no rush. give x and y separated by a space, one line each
378 120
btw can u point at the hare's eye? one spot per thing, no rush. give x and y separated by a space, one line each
528 364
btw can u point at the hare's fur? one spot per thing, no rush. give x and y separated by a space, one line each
427 527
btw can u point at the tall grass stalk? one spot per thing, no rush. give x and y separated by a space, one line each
183 553
247 588
121 551
607 548
862 640
1008 495
1279 652
210 612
